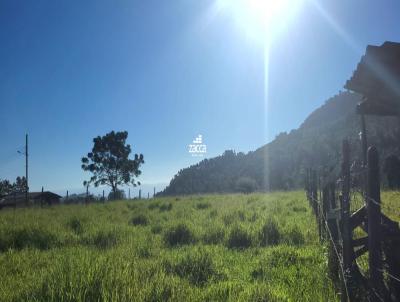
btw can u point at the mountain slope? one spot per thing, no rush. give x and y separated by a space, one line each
280 164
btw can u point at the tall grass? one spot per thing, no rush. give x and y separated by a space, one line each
258 247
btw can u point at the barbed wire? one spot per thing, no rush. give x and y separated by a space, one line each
334 246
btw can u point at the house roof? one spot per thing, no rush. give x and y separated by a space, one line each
20 197
377 78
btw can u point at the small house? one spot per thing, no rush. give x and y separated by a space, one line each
34 198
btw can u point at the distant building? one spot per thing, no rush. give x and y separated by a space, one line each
34 198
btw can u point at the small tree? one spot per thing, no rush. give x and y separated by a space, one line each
109 162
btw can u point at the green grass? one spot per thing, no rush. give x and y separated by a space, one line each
258 247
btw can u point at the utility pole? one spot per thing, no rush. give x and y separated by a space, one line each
26 168
154 192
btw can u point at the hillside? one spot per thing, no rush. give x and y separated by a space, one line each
280 164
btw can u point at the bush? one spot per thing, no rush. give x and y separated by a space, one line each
214 236
139 219
104 239
197 267
75 224
269 233
239 238
178 235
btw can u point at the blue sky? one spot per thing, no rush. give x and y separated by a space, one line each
165 71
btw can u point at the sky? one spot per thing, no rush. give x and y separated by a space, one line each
166 71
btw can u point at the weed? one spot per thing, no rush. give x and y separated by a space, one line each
269 233
179 234
139 219
239 238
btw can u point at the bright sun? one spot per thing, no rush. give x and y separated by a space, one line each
261 19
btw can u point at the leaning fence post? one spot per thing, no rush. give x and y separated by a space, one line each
373 202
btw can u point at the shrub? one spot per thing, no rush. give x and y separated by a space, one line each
178 235
269 233
239 238
104 239
197 267
203 205
166 207
75 224
214 236
139 219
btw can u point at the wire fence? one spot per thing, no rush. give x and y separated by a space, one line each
364 244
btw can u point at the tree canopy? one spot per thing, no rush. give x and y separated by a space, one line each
109 162
19 186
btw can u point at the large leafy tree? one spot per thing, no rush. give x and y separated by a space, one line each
109 162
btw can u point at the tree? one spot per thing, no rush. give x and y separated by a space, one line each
109 162
5 187
20 184
118 195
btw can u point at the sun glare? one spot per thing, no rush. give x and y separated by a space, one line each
261 19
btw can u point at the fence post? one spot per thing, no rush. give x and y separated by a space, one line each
87 195
325 210
373 202
333 261
345 200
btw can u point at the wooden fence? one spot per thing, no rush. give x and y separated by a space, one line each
363 243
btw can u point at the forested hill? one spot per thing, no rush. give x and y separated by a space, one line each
281 163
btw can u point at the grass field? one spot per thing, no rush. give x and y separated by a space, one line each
259 247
